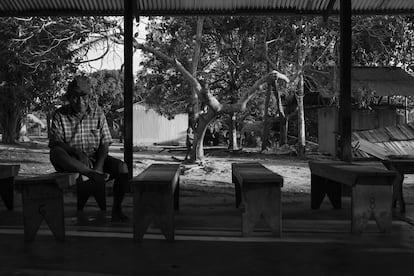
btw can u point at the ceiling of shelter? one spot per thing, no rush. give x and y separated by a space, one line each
191 7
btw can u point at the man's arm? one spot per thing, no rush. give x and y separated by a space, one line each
101 155
72 151
105 141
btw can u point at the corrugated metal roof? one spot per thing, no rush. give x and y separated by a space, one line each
395 140
176 7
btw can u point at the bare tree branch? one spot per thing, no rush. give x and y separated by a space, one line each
249 93
193 81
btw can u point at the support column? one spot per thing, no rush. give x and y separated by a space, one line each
128 83
345 110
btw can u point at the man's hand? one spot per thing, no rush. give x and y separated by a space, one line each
83 158
98 167
101 155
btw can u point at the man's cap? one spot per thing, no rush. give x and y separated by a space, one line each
79 86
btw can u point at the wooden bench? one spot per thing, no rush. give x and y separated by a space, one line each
42 198
7 174
257 194
156 195
401 167
371 193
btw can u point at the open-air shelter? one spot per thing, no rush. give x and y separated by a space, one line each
135 8
289 256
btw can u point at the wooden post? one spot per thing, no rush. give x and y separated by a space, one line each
128 83
345 128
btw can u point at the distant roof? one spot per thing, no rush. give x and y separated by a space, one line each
393 140
385 81
187 7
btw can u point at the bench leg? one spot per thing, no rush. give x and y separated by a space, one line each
89 188
369 201
237 190
321 187
263 201
317 191
43 202
177 195
334 192
6 192
153 207
165 218
397 195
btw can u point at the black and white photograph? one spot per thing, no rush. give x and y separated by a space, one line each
206 137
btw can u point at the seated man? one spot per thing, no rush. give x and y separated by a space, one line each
79 140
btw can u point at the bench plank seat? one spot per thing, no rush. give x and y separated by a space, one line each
401 167
257 194
371 193
42 198
347 174
7 174
156 195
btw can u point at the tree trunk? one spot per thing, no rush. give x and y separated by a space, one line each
198 150
284 125
10 121
194 110
233 132
48 123
203 122
265 133
302 53
284 122
301 117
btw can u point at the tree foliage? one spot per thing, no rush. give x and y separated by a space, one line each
383 41
207 105
108 92
230 60
305 48
37 56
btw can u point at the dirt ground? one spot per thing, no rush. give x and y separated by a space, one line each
213 177
215 173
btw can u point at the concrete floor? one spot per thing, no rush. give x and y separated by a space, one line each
208 242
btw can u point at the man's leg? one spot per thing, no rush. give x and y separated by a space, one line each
63 161
119 170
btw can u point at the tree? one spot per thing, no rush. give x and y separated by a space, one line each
37 55
299 45
210 104
108 93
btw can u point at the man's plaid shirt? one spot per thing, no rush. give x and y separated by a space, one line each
85 134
